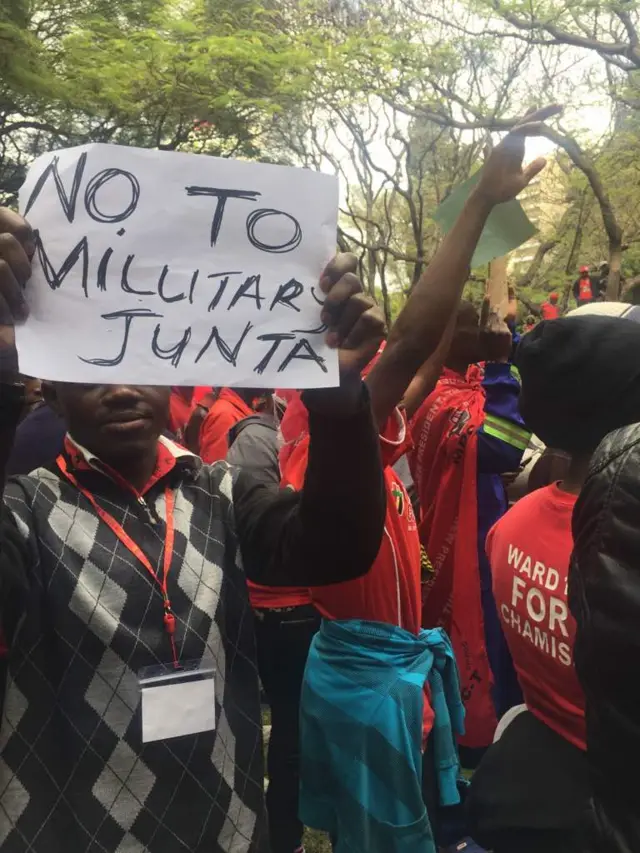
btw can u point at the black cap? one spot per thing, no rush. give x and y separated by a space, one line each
580 379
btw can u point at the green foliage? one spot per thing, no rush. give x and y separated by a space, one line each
204 75
228 66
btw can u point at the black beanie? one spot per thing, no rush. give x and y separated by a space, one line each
580 379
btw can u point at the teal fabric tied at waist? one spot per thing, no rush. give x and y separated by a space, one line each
361 720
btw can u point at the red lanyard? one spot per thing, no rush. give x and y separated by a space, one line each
128 542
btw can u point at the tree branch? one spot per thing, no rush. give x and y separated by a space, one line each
610 50
531 307
30 125
543 250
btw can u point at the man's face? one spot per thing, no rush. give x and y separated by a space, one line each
112 421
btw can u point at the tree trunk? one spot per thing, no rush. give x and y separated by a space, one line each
576 244
615 264
386 302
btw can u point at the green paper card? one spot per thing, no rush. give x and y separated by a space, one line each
507 228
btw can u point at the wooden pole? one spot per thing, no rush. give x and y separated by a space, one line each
498 287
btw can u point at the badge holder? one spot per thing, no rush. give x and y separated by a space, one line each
177 702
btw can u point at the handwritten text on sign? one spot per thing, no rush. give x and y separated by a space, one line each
176 269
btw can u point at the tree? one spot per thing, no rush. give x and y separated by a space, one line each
394 172
205 75
458 69
609 32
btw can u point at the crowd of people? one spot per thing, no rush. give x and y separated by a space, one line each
427 570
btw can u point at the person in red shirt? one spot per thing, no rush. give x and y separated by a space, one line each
390 592
230 407
586 288
530 550
549 309
466 434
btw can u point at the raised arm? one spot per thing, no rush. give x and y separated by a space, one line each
419 328
16 247
331 530
426 378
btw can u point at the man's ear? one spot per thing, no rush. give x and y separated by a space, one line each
50 395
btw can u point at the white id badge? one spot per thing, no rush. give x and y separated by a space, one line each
177 702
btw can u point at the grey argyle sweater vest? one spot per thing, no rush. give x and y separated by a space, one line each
74 774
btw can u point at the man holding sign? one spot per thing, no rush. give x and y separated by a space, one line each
132 717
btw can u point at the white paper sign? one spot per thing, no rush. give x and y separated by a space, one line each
164 268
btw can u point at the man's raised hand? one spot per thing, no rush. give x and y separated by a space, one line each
16 250
355 324
496 340
503 177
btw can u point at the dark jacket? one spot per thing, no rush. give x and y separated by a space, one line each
39 439
604 595
253 446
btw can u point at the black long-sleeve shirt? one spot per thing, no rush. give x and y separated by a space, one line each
84 617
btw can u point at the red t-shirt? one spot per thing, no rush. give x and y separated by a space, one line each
529 551
227 410
390 591
549 311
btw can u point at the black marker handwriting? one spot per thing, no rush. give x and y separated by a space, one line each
303 350
313 293
174 353
221 289
319 330
97 182
178 297
55 277
102 269
68 202
287 293
128 317
244 291
279 248
221 197
228 354
192 286
124 281
297 349
276 339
